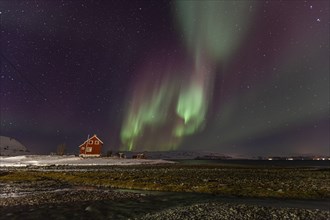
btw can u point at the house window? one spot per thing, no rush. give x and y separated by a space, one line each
82 148
90 142
88 149
96 142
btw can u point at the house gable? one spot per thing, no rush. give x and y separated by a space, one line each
91 147
93 139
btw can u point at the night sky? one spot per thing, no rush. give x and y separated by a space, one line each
237 77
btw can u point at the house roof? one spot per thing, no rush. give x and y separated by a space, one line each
94 136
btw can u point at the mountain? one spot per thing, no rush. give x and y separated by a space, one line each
11 147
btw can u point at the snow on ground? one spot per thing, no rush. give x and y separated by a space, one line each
45 160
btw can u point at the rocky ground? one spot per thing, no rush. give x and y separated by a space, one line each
65 196
229 211
85 204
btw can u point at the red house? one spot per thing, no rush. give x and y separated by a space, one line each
91 147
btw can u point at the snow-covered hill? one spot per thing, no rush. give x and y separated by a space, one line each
11 147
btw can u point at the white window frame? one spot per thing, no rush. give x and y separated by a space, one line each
89 149
90 142
96 142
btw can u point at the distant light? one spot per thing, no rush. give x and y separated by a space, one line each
318 20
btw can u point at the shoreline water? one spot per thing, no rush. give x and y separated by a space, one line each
259 163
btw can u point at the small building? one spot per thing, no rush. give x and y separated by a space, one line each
91 147
139 156
121 155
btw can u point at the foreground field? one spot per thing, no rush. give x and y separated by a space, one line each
297 183
218 192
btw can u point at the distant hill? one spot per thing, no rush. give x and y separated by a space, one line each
180 155
11 147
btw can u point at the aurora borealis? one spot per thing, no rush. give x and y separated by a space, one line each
238 77
210 37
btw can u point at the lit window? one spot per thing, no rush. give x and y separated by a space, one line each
83 148
88 149
96 142
90 142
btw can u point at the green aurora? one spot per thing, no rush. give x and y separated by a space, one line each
211 38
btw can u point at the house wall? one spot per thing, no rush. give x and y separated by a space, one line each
91 148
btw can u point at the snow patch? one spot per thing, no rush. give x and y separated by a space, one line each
43 160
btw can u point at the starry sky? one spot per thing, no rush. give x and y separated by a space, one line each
237 77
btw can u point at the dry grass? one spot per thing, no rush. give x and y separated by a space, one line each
235 181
